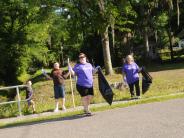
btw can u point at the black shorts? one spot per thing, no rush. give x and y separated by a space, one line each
84 91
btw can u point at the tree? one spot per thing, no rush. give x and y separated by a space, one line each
105 38
168 6
90 17
15 17
145 10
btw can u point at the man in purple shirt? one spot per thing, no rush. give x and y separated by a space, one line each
84 72
131 71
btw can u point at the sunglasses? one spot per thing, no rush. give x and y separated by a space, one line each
82 57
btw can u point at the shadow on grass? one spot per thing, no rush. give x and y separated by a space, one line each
125 100
166 66
38 78
46 110
72 117
156 67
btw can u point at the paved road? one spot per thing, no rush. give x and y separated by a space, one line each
155 120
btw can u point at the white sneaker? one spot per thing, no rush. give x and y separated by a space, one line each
63 108
138 97
56 110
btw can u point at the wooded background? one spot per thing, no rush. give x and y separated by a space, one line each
36 33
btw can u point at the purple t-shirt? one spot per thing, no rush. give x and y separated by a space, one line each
84 74
131 71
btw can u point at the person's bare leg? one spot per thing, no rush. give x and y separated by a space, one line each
63 104
56 105
89 97
33 106
85 103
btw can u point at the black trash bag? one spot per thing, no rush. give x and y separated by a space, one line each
146 80
145 85
104 87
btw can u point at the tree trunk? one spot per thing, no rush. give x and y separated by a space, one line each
112 44
146 42
113 35
50 41
171 4
171 42
106 52
171 36
178 13
105 41
156 36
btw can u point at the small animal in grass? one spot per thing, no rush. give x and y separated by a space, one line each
118 85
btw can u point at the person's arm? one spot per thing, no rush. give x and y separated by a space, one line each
95 70
46 75
138 68
71 70
66 75
124 80
124 75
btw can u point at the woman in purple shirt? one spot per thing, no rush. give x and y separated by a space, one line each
84 72
131 71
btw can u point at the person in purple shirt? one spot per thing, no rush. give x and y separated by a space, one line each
130 71
84 72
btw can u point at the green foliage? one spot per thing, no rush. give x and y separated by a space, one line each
35 33
20 32
14 17
44 95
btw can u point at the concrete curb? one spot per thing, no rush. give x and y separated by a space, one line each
80 108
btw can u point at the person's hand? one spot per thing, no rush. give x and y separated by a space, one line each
95 70
140 69
97 67
124 79
69 68
44 72
125 82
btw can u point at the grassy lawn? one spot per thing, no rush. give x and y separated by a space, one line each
167 79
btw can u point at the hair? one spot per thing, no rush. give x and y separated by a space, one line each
28 81
129 57
82 54
56 63
123 60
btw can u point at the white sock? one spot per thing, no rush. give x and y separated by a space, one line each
57 106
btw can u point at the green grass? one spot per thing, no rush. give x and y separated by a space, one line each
165 54
39 119
167 79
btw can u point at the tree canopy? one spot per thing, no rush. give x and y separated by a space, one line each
36 33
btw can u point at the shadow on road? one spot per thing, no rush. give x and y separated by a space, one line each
78 116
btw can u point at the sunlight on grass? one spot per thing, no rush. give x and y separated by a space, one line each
164 82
